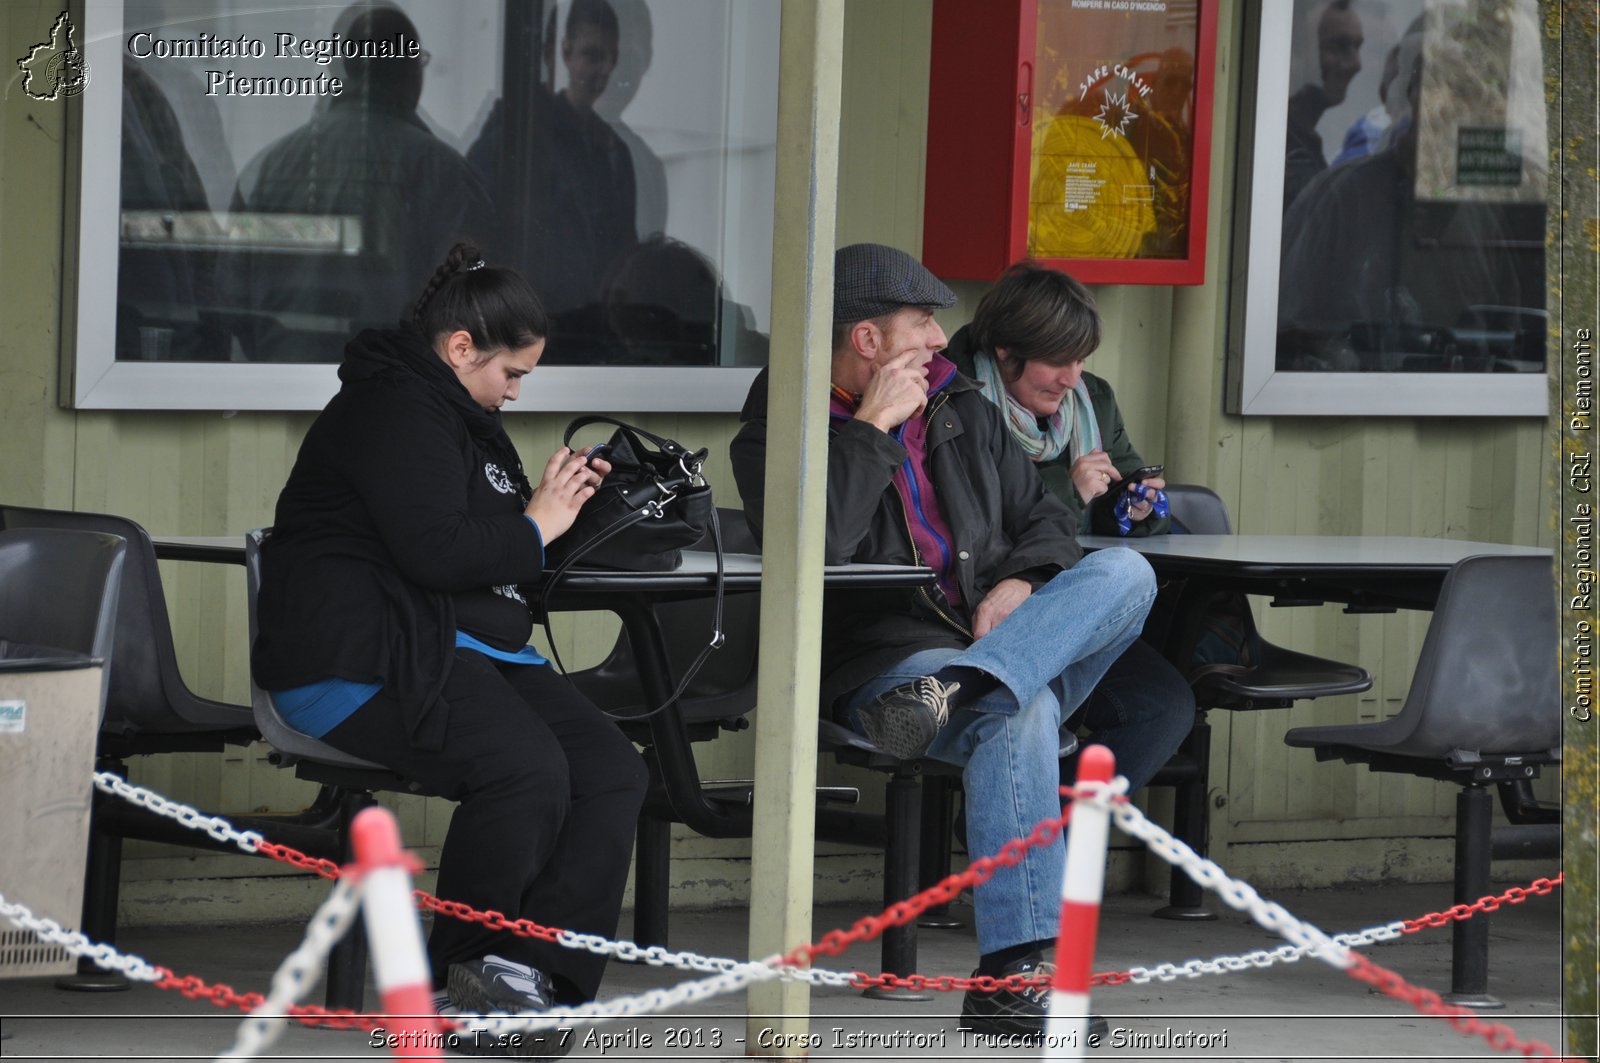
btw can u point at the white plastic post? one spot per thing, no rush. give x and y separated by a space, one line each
1066 1025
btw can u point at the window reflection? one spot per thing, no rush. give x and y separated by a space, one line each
521 124
1413 232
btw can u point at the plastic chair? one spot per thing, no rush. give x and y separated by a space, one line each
1197 510
58 595
149 709
1484 707
348 784
1274 678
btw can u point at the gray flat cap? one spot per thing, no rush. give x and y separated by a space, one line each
870 280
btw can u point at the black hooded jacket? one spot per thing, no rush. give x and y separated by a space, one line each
402 521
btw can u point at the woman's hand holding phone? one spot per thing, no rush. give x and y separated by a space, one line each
1143 483
569 480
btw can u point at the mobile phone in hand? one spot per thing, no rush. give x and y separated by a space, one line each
599 450
1143 473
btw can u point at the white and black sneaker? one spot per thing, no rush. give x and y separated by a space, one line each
1016 1012
903 722
497 984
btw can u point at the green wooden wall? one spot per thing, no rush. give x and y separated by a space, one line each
1279 818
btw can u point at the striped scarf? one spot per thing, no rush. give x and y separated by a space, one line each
1072 428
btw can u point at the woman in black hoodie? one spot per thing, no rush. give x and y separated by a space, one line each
391 627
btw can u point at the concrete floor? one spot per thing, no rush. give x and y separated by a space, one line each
1300 1011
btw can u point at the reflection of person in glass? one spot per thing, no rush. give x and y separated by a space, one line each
664 303
1375 278
160 286
635 52
1366 133
398 193
581 208
1339 41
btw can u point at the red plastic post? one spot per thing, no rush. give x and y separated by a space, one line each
1066 1026
400 964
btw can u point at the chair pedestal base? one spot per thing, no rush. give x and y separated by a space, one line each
895 994
102 890
1475 1001
939 919
92 979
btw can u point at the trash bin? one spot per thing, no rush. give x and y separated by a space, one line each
49 716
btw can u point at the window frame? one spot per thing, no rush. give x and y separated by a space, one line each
93 379
1255 386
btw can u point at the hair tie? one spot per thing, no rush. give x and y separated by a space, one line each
475 265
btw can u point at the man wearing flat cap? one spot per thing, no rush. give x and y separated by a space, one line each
980 668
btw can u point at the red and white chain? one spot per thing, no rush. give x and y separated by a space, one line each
104 956
217 827
1305 939
1236 893
298 972
253 842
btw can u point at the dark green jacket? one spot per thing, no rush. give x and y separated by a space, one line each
1057 472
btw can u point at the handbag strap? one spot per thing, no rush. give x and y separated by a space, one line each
616 527
667 446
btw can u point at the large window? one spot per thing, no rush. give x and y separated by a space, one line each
1397 214
260 182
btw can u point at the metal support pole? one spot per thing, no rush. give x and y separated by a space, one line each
347 961
901 815
1185 898
938 823
652 880
810 58
1469 938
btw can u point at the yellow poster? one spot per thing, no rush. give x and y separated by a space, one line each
1113 119
1090 196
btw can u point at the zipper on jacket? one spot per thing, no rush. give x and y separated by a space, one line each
917 554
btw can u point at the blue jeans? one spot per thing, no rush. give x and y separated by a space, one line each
1048 655
1141 710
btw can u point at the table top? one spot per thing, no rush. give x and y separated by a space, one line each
698 568
1292 555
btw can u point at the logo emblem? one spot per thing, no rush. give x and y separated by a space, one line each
1115 115
55 68
498 479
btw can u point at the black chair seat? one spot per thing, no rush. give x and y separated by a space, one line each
1283 677
1484 708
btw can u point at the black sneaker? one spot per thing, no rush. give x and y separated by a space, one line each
1016 1012
496 984
903 722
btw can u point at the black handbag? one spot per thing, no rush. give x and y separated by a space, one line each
651 506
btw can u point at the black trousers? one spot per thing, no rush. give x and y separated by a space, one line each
548 793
